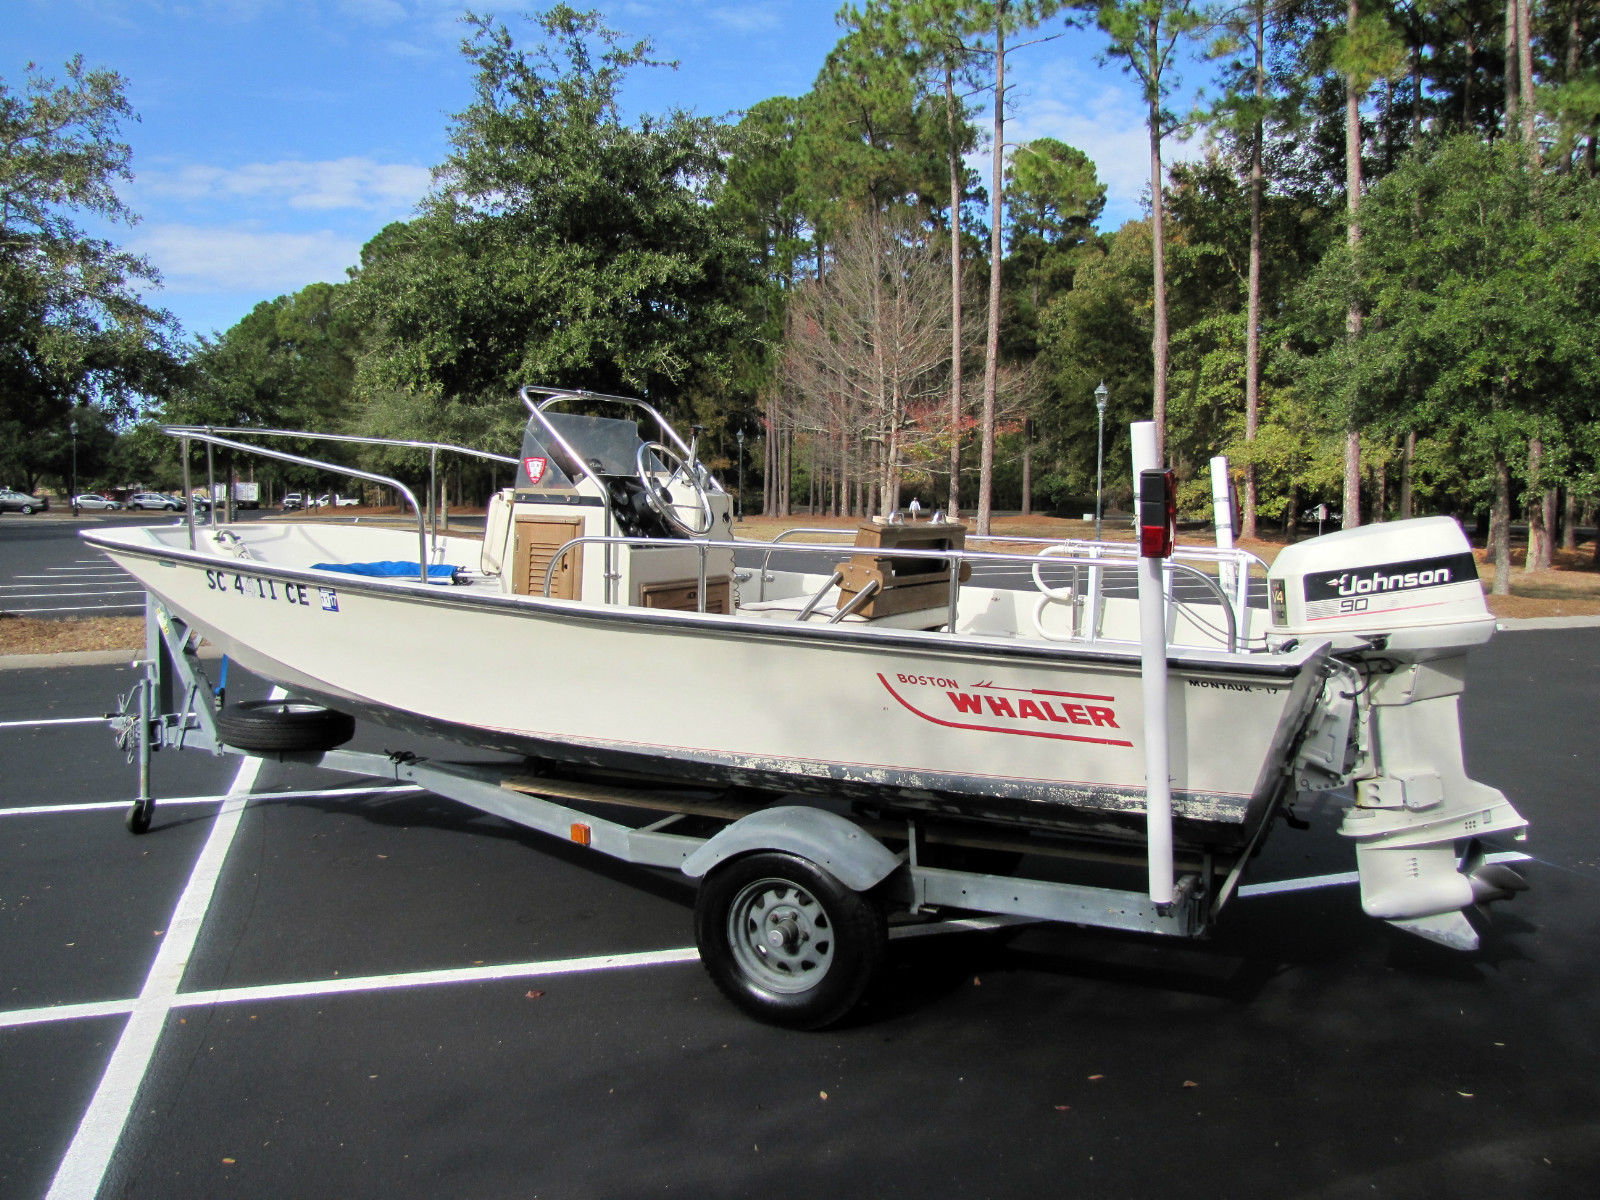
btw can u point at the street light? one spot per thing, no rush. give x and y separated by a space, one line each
738 505
1100 395
73 499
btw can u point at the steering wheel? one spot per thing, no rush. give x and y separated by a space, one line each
692 518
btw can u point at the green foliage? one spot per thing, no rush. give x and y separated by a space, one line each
560 245
663 257
1099 331
869 142
1481 300
73 328
1144 36
288 364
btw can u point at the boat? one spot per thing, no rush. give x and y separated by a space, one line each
1087 699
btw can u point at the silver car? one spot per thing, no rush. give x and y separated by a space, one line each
95 502
153 500
21 502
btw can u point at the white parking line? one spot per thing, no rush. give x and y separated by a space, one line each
84 1166
54 721
80 572
31 595
54 810
317 988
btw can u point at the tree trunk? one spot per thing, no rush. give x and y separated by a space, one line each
1528 104
786 473
991 361
1159 338
1252 351
1352 175
1569 520
957 410
1027 467
1512 91
1500 525
1407 456
1538 557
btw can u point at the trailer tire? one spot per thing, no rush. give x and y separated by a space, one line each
265 726
786 941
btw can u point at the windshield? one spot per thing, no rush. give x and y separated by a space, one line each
604 446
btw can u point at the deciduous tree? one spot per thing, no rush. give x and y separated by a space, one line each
74 328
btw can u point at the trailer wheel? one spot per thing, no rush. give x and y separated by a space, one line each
786 941
137 818
261 726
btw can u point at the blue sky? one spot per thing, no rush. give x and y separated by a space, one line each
277 136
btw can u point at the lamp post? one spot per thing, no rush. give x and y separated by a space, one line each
738 506
1100 395
73 499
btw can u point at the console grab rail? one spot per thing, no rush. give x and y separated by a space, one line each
191 433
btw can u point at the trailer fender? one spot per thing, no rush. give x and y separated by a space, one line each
837 845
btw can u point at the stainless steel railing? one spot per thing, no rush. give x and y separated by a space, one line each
433 448
212 436
1229 635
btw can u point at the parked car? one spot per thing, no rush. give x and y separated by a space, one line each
21 502
293 500
201 504
336 501
95 502
154 500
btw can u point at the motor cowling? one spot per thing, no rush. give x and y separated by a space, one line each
1413 585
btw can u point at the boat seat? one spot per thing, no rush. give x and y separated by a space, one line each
496 532
882 584
790 607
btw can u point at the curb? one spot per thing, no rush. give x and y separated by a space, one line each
1525 624
84 658
70 658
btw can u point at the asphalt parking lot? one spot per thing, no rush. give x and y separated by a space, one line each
293 990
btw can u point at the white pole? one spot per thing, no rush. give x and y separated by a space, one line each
1153 678
1222 518
1144 455
1221 505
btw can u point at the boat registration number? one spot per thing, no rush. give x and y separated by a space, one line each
255 587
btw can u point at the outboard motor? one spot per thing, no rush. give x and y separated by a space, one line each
1401 604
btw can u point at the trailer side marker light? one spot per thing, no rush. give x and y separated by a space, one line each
1158 513
581 833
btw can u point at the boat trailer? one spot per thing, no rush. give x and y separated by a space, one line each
790 912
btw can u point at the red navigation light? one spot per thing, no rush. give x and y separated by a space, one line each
1158 512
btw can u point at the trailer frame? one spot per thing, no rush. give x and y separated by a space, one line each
882 863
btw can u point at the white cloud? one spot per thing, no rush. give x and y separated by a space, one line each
376 12
385 189
1102 115
746 18
197 259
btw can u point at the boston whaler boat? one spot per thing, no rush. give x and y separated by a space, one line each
1091 732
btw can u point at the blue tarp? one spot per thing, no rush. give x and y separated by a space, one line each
391 570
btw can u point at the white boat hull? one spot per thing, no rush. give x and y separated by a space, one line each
1023 731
